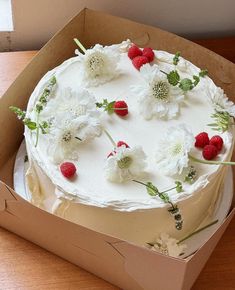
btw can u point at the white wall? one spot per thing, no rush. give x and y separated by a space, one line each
35 21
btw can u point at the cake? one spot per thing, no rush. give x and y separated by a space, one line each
129 142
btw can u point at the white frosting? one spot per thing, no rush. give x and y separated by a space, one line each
77 197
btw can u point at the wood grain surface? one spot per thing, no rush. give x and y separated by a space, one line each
24 265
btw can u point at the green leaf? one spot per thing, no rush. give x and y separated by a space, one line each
20 114
222 121
179 187
176 58
31 125
151 189
164 197
186 85
173 77
39 107
99 105
52 81
110 107
203 73
196 80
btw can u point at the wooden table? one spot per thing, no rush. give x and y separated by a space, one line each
26 266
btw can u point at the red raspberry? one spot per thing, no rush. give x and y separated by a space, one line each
134 51
209 152
202 140
121 105
120 143
217 141
138 61
68 169
148 52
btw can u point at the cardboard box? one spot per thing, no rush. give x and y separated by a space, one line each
119 262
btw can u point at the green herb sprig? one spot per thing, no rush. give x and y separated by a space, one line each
39 126
184 84
222 121
152 190
107 106
176 58
40 106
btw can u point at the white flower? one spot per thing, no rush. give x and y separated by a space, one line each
157 98
220 101
71 105
172 152
125 164
99 65
66 136
168 246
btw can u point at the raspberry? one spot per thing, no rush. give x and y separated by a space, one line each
120 143
68 169
217 141
209 152
138 61
134 51
148 52
202 140
120 105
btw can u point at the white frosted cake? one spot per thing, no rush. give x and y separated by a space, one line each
159 178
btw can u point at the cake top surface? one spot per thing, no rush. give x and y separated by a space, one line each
159 128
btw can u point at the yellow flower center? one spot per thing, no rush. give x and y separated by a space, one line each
160 90
125 162
67 136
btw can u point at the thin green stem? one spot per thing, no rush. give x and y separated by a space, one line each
210 161
79 45
169 189
37 130
197 231
157 193
110 138
163 72
140 182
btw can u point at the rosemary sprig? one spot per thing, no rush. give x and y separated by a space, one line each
184 84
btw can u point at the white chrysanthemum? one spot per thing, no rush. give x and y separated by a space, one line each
71 105
99 64
157 98
168 246
220 101
68 134
172 152
125 164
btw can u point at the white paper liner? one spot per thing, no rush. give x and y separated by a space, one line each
221 209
